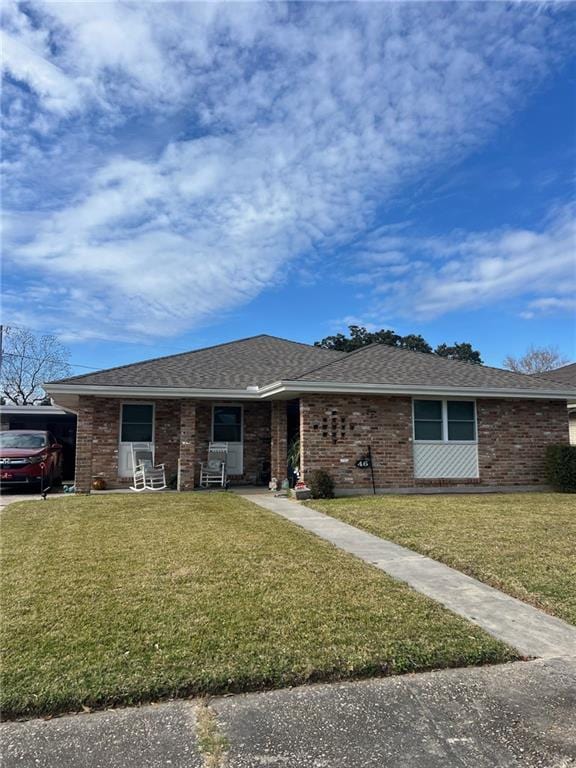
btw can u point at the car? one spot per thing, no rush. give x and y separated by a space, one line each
29 457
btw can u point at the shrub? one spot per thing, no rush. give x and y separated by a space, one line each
321 484
561 467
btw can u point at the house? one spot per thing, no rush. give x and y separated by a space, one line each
566 375
426 420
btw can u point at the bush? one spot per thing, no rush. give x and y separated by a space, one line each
561 467
321 484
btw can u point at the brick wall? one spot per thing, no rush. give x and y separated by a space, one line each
99 427
279 428
340 427
512 439
256 439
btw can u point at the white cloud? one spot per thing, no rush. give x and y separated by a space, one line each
472 270
264 132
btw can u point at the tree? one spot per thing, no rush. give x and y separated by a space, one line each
29 360
536 360
360 337
462 351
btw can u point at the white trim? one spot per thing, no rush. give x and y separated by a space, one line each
294 388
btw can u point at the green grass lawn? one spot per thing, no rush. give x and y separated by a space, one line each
522 543
122 599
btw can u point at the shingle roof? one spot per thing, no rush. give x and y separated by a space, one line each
566 374
380 364
254 361
262 360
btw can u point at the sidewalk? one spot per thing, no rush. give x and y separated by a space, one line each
518 715
531 631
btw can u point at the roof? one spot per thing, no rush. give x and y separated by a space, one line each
268 366
254 361
566 374
34 410
381 364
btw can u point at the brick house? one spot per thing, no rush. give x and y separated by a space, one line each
426 420
566 375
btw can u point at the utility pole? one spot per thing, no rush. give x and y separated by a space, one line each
1 347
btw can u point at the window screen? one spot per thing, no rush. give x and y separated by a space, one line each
137 423
461 421
427 419
227 424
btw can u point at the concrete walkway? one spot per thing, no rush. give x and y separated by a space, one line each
510 716
531 631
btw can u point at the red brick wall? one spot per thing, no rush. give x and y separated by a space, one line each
99 427
342 426
512 436
186 433
512 439
256 438
279 424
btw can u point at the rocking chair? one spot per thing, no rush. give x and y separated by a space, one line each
213 470
147 475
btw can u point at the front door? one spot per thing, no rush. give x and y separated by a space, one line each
136 426
227 427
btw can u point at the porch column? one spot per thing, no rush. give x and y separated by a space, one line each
279 442
84 444
187 444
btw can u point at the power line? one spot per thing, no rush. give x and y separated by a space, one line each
50 360
173 350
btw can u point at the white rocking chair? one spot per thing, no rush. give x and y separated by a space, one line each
213 470
147 475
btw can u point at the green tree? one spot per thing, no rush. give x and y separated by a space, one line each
361 337
458 351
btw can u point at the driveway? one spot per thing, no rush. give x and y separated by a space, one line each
520 715
9 496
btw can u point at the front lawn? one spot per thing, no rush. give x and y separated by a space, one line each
122 599
522 543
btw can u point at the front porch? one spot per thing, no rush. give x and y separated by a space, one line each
180 430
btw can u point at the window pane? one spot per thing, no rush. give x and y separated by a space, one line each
225 434
136 433
461 430
428 430
460 411
227 424
428 409
137 414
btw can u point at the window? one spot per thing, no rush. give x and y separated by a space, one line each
137 423
461 420
428 419
227 424
445 420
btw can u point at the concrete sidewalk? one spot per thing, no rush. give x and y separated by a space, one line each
531 631
520 715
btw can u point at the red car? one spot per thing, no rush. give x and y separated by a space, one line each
29 457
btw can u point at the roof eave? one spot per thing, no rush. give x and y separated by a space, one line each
302 387
102 390
293 388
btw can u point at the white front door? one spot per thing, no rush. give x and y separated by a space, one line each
227 427
136 426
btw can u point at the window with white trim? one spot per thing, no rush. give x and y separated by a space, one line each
445 421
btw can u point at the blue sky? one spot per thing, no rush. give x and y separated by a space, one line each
178 175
